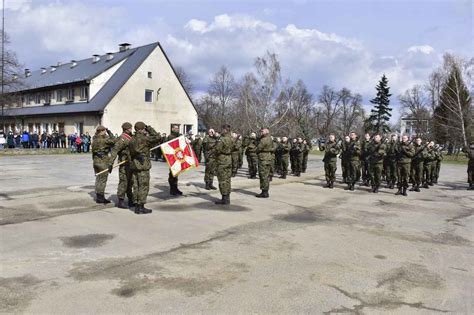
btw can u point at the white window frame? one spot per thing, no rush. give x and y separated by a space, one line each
152 97
84 93
59 96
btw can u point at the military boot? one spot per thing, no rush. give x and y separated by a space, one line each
212 186
121 204
101 199
145 210
208 186
138 209
399 192
263 194
178 192
471 187
131 203
221 202
227 199
331 184
413 188
404 192
426 186
328 185
417 188
376 189
352 187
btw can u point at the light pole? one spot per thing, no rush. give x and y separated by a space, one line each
3 62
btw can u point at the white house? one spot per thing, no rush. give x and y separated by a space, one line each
132 84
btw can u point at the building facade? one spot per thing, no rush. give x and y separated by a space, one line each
414 127
133 84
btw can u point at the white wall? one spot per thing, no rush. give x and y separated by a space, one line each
170 106
98 82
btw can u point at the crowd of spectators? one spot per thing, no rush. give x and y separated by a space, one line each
55 140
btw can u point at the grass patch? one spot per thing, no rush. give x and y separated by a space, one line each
455 159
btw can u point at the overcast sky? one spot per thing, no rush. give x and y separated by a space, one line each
340 43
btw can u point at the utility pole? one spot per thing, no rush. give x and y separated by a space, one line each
3 63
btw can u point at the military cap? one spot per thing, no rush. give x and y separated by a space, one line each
140 125
126 125
100 128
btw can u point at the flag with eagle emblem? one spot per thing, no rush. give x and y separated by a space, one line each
180 155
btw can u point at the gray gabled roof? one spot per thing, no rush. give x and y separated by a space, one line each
134 58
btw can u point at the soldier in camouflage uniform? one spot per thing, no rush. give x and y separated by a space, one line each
284 151
364 146
293 154
469 152
173 181
241 150
265 151
102 142
143 140
417 165
235 154
345 159
197 147
332 150
299 157
223 151
428 165
276 147
304 162
354 164
391 162
404 151
377 152
208 145
437 163
251 153
121 150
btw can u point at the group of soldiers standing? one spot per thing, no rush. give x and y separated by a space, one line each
374 159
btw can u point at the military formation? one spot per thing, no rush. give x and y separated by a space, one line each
370 161
374 160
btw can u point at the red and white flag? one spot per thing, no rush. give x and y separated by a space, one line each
180 155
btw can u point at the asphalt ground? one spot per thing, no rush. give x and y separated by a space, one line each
306 249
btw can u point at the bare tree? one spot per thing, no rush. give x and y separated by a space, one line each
260 94
352 115
185 80
330 106
414 105
222 89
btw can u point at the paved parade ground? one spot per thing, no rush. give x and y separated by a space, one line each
306 249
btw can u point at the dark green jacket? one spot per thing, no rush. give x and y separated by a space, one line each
376 152
404 152
140 146
208 146
265 148
354 150
223 150
331 150
101 146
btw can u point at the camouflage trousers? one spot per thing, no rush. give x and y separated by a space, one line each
345 170
235 163
125 182
417 172
100 180
391 171
304 162
365 170
354 171
224 175
330 171
375 173
284 165
241 158
252 162
427 169
264 168
470 173
403 174
272 167
140 186
436 170
210 170
173 181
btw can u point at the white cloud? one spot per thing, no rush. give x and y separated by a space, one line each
425 49
15 5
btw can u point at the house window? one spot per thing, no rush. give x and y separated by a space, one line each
70 94
150 75
59 96
37 98
148 96
188 128
47 98
84 93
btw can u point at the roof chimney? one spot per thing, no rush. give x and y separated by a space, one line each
110 56
27 73
53 68
73 63
43 70
95 58
124 46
